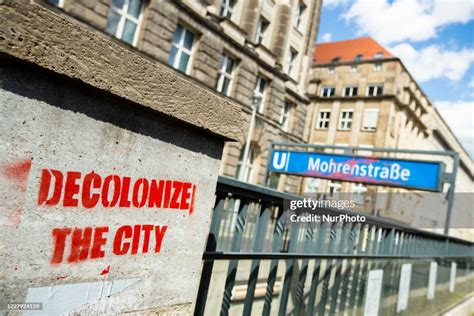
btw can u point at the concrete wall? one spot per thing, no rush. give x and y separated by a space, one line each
85 159
78 130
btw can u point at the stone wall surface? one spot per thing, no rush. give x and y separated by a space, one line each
81 54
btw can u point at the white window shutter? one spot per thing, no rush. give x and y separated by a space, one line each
370 119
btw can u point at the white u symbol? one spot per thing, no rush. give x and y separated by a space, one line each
279 164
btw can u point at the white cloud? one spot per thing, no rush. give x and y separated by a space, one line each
326 37
434 61
460 117
400 20
471 83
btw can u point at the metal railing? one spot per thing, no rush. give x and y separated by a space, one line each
259 262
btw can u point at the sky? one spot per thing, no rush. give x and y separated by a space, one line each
433 38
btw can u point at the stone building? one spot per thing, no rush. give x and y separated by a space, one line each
255 52
260 53
363 96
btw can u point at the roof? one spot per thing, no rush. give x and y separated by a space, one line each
349 50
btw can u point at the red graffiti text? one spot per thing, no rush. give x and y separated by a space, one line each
72 188
80 244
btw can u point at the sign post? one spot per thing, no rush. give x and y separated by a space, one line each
413 174
382 171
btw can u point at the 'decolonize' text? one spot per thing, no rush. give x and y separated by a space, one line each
74 189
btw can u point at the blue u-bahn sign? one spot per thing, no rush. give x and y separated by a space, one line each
413 174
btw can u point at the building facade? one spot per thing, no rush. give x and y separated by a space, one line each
363 96
255 52
260 55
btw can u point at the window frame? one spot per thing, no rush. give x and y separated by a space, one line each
323 120
351 89
223 74
358 189
227 8
261 31
312 185
271 180
60 3
290 60
124 16
378 67
261 94
285 116
300 9
345 123
370 128
248 167
330 88
358 57
377 93
181 49
336 187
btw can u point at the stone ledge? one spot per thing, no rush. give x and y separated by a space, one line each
35 34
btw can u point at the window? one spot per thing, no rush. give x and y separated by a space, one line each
377 67
345 120
245 170
353 68
334 187
227 8
312 185
226 75
349 92
298 15
358 57
274 180
285 116
182 50
331 70
124 19
359 189
369 122
328 91
262 27
58 3
290 61
336 60
323 119
260 92
378 55
374 90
